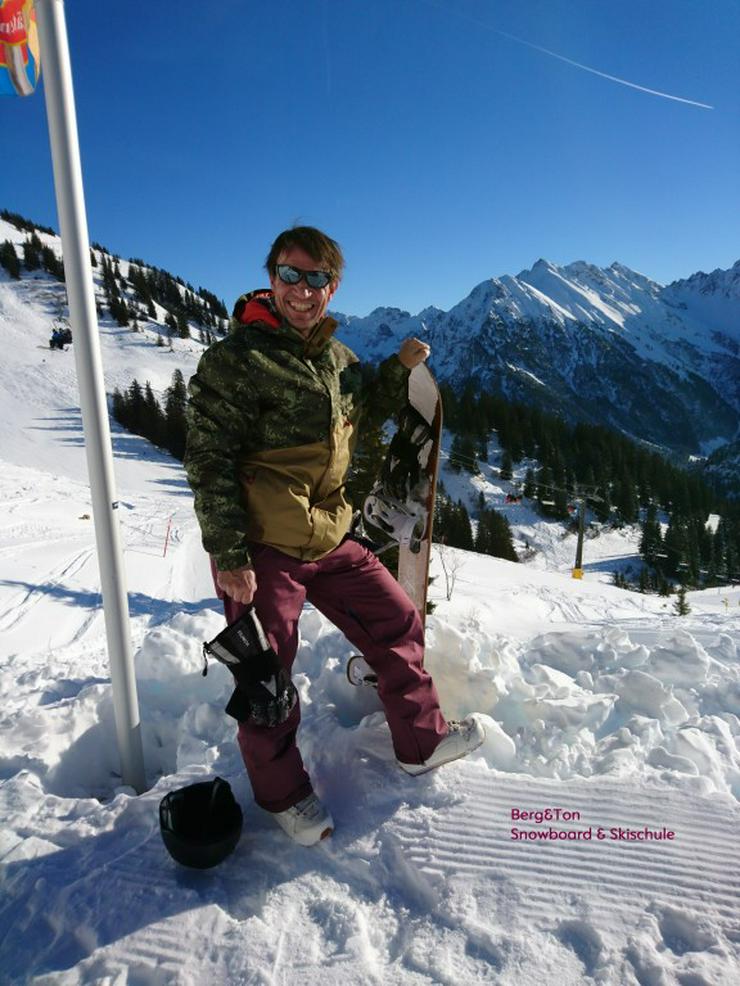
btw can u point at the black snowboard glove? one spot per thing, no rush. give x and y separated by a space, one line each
402 471
264 693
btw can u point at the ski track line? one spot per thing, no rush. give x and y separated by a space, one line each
158 946
572 852
569 880
538 905
32 597
21 548
532 793
703 861
155 944
704 823
624 874
611 895
712 847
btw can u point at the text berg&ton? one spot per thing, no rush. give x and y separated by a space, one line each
545 815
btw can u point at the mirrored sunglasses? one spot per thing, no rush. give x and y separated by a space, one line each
313 278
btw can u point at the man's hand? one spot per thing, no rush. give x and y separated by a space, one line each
240 584
412 352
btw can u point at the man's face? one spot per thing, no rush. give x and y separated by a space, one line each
300 305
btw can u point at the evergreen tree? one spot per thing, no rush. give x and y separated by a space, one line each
732 561
176 398
119 408
544 484
651 541
602 507
9 260
463 532
712 567
507 466
681 605
463 454
453 523
693 564
705 540
530 488
494 536
183 329
644 580
674 546
721 536
119 310
32 253
52 263
135 408
560 508
625 500
153 416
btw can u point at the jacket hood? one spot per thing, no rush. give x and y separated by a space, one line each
258 310
257 306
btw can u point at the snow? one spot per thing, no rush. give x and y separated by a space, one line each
609 718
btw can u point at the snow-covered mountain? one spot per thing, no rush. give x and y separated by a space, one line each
714 298
609 346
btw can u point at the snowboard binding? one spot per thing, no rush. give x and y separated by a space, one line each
402 521
395 503
359 672
403 470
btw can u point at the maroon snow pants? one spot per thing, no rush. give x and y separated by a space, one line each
360 597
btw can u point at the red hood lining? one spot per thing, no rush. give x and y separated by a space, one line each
259 309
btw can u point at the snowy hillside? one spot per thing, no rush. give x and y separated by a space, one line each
613 722
608 346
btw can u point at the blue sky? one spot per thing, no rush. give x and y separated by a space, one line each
437 149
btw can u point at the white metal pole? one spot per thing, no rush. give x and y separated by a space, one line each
65 152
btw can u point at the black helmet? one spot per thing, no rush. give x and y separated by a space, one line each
201 823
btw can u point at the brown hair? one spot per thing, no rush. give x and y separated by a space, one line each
324 250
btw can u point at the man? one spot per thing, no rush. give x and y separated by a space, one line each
273 416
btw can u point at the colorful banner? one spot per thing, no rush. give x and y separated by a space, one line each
20 61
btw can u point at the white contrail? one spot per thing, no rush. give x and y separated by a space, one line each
604 75
569 61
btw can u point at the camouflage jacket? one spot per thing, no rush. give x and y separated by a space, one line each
272 423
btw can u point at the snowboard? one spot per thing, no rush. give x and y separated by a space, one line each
401 502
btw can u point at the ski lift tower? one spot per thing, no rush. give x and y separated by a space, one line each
578 566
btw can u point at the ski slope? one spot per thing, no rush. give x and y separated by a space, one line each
602 706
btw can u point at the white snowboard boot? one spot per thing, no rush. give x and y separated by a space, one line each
462 738
306 823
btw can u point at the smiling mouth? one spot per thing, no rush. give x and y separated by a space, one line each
297 307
